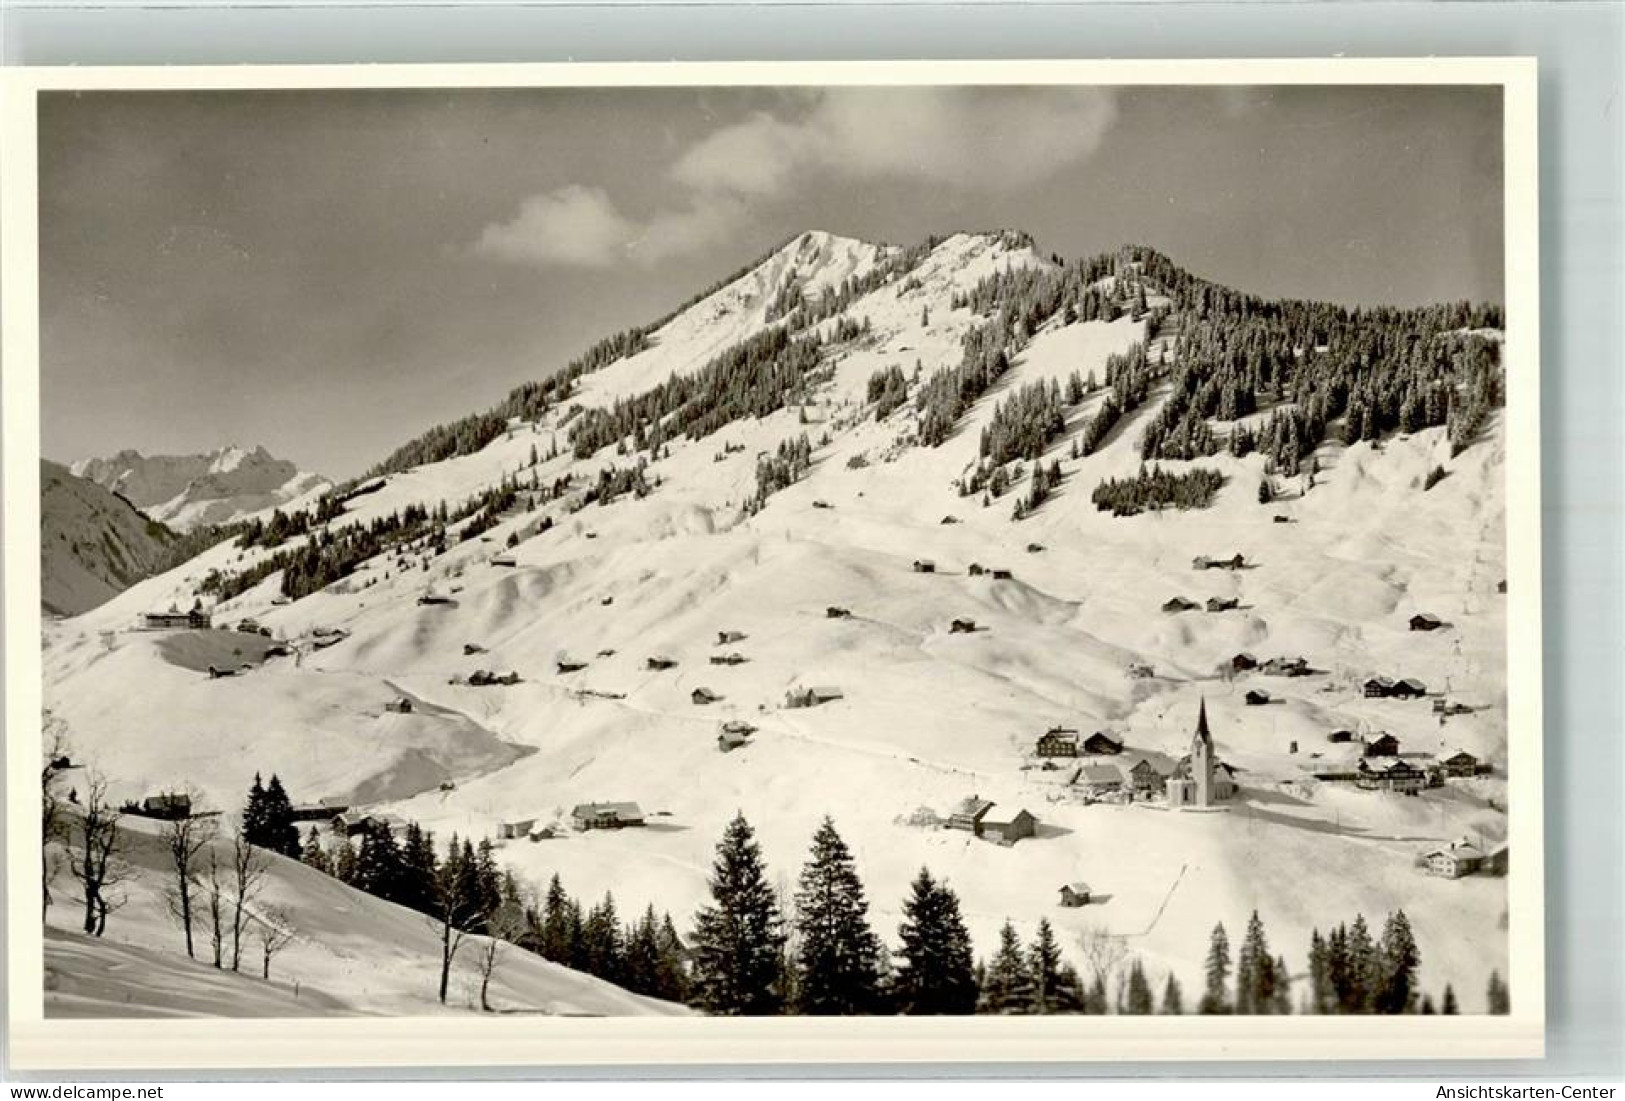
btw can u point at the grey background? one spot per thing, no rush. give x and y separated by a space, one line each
1580 47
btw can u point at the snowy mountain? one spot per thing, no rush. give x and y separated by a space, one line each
963 402
184 491
93 543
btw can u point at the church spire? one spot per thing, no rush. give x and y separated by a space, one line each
1202 733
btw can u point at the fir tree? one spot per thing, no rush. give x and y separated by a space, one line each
253 823
1448 1006
1173 998
1397 960
601 941
1498 999
837 962
671 974
281 834
418 870
1138 999
1216 997
937 975
314 855
1094 1002
1006 984
1054 986
344 860
556 940
379 868
738 943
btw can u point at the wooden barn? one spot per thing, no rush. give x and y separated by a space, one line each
1007 830
1383 745
1286 667
962 627
1102 744
1377 688
1177 604
924 565
1074 894
968 815
660 662
812 697
1002 575
167 806
976 569
1229 604
728 740
728 638
1256 698
1425 622
1408 689
702 696
1243 662
566 665
606 816
834 612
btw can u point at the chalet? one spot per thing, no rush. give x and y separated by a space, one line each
1338 737
1256 698
976 569
321 811
168 806
1461 764
606 816
1376 688
1001 575
1425 622
659 662
822 504
702 696
833 612
1056 742
1383 745
737 726
1007 831
434 598
1408 689
565 665
482 678
1035 548
1242 662
1100 778
728 638
1391 774
1102 744
399 706
732 657
508 831
950 519
924 565
194 620
812 697
968 815
1074 894
728 741
1214 604
1178 604
962 627
1454 860
1286 667
504 560
1147 777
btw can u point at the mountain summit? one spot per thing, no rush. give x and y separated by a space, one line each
216 487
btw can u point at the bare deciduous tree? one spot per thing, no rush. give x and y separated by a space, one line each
94 857
249 867
455 906
274 930
185 839
1103 951
505 926
53 807
214 900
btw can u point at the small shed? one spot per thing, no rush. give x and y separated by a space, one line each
702 696
950 519
834 612
660 662
1422 621
976 569
521 827
729 740
1074 894
728 638
1178 604
1256 698
1035 548
1228 604
1002 575
1338 737
400 706
1243 662
962 627
924 565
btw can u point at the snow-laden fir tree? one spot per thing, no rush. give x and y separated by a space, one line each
1006 982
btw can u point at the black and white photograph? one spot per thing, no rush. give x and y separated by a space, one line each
756 548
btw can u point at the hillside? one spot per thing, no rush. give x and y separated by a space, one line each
351 954
636 514
219 487
93 543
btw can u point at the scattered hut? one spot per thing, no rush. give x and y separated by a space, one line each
1074 894
1035 548
472 648
968 815
731 658
976 569
702 696
1461 763
1178 604
728 638
1422 621
606 816
1007 830
962 627
1001 575
950 519
728 741
812 697
1286 667
924 565
834 612
659 662
1338 737
399 706
521 827
1229 604
567 665
168 806
1256 698
737 726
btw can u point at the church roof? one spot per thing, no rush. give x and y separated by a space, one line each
1202 735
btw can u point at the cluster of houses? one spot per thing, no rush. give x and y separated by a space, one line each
1382 767
1274 667
482 678
975 815
1058 741
997 574
1409 688
1199 779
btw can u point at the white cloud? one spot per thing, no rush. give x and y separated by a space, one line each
972 138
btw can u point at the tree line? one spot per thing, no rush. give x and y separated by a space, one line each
1156 487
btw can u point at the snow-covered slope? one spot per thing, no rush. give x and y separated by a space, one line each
929 717
93 544
351 954
185 491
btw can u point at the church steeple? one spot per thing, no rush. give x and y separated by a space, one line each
1203 735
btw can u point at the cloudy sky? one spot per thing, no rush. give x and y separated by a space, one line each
327 273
